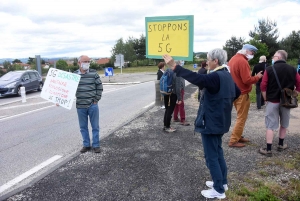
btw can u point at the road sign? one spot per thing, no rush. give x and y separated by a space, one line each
109 71
195 65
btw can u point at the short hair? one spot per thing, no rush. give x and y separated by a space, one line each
283 54
79 58
219 54
262 59
203 64
161 65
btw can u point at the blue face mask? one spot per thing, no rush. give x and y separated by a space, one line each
273 62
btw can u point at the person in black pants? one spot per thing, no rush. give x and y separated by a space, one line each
170 103
261 66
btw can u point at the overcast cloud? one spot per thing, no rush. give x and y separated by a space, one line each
59 28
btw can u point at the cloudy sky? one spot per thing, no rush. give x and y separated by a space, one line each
59 28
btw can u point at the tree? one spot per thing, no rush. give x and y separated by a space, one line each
139 46
267 33
75 62
119 48
6 65
233 45
31 60
16 61
129 53
61 64
291 45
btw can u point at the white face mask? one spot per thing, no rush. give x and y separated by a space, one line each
249 57
85 66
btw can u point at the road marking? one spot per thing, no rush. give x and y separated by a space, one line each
149 105
25 105
26 112
116 89
19 100
28 173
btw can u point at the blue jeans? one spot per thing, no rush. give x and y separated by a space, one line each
215 162
83 114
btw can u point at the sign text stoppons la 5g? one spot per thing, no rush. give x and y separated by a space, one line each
173 35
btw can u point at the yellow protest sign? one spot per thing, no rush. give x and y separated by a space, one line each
171 35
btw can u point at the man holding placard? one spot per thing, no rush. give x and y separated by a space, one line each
88 94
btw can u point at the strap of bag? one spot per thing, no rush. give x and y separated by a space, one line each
276 77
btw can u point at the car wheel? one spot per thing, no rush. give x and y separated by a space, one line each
40 87
19 91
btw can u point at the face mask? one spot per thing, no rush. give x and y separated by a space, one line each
85 66
273 62
249 57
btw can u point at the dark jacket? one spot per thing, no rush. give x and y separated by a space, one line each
259 67
287 78
177 86
214 114
159 74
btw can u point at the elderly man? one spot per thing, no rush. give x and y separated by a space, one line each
288 78
260 67
241 74
88 94
214 115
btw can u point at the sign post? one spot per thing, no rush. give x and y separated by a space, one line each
60 87
119 61
173 35
109 71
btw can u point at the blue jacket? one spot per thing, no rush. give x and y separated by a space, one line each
214 114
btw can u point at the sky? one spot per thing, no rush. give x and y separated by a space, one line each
68 28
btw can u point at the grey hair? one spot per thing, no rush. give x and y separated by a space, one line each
79 58
243 52
283 54
219 54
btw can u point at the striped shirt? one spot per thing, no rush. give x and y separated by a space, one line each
89 89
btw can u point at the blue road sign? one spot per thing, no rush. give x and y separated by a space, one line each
195 65
109 71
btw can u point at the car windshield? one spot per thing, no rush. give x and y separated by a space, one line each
11 76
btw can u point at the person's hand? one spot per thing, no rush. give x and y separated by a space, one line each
169 61
259 74
179 102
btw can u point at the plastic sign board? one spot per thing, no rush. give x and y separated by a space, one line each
173 35
109 71
60 87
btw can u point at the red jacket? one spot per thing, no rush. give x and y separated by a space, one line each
241 73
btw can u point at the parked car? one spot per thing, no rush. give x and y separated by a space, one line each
11 82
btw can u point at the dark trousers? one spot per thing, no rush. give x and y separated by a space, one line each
169 109
259 99
215 162
180 109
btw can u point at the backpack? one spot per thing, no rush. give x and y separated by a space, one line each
166 82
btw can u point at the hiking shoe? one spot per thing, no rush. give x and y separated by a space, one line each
212 193
210 184
97 149
85 149
264 151
243 140
282 147
170 130
237 144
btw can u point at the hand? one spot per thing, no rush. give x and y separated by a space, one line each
169 61
259 74
179 102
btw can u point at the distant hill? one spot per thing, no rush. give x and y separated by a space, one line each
25 60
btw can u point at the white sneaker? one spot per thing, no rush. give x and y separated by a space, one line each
210 184
162 107
212 193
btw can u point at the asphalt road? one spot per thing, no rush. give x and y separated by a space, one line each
35 131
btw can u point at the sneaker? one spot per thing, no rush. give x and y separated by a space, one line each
162 107
170 130
210 184
282 147
85 149
264 151
212 193
97 149
237 144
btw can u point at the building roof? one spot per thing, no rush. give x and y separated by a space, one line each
103 61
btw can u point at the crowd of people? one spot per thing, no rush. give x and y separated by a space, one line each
220 88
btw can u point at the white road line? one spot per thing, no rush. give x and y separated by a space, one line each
28 173
5 108
26 113
149 105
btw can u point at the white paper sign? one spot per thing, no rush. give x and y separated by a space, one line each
60 87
